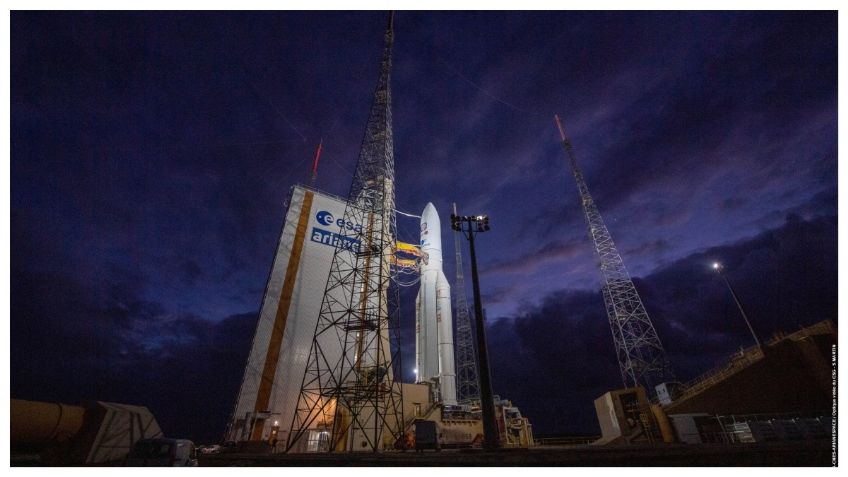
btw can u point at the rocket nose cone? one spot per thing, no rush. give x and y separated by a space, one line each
431 226
430 215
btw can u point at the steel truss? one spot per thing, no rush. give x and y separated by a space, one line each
351 388
467 383
641 357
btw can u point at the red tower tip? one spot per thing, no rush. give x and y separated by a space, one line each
559 126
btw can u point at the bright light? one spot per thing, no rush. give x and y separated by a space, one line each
716 265
276 423
415 370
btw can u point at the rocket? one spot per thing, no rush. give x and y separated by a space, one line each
433 321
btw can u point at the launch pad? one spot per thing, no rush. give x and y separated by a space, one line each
324 374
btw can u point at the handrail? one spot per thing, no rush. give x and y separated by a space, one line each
746 357
743 360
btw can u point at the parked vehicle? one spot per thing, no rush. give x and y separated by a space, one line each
162 453
229 447
213 449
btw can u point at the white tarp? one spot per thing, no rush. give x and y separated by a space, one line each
310 279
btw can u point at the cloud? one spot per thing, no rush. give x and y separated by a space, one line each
654 248
681 131
555 358
68 345
548 359
498 294
552 359
545 255
149 174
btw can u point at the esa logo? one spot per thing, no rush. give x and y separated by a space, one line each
325 218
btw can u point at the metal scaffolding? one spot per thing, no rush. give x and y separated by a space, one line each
467 383
641 357
350 394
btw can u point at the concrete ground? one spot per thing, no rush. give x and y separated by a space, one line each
798 453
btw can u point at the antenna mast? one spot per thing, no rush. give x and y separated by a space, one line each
641 357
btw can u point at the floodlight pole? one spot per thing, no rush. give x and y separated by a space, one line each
470 226
719 269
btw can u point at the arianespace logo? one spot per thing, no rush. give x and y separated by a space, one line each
328 237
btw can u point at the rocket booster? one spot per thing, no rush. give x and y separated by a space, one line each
434 324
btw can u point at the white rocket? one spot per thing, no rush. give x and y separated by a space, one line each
433 322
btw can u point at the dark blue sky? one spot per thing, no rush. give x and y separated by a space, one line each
152 154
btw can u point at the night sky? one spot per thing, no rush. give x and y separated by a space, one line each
152 154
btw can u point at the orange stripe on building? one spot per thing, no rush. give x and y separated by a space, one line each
263 397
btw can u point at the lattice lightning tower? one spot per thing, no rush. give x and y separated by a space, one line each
641 357
467 384
349 389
